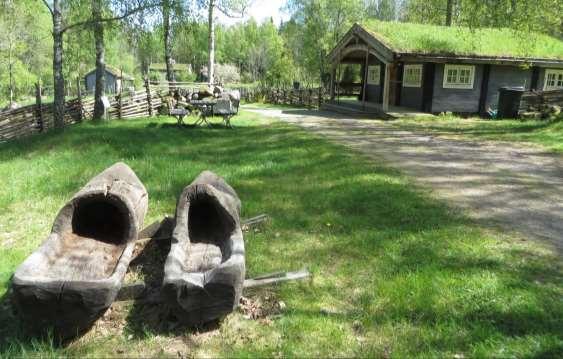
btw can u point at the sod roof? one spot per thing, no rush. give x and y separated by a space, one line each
443 40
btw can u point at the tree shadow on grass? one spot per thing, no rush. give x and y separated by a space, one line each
16 338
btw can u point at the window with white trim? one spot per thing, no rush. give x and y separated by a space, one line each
553 80
412 76
374 74
459 76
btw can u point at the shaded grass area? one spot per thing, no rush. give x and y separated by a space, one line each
395 272
548 134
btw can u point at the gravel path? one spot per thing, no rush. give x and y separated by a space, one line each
517 187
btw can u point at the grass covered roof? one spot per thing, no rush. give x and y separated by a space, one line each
443 40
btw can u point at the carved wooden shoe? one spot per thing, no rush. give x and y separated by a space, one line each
74 276
204 271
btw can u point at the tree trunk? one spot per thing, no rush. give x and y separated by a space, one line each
449 12
100 60
58 77
11 70
167 42
211 43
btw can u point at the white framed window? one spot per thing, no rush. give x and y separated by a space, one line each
459 76
412 76
374 75
553 80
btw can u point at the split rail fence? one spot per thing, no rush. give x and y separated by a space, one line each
39 117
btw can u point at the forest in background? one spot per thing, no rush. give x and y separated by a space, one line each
247 52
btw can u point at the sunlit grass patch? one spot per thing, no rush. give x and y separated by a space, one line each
547 134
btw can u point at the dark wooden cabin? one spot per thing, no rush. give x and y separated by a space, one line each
115 79
437 69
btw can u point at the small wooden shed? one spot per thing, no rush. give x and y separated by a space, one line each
440 69
115 79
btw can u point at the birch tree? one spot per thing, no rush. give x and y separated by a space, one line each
55 7
231 8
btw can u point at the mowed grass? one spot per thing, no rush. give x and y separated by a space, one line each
396 273
548 134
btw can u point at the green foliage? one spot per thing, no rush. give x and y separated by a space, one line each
408 37
23 80
526 15
321 24
25 49
227 73
258 51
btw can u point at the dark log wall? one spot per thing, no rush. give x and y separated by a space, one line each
374 92
456 100
501 76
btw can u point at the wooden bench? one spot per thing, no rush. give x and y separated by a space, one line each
226 108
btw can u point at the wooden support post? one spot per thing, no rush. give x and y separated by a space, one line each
331 89
39 106
120 102
80 105
366 66
149 100
338 74
386 87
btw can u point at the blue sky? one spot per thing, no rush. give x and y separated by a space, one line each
260 10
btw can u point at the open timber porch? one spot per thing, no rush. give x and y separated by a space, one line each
366 77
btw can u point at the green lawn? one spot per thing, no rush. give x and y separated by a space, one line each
396 273
548 134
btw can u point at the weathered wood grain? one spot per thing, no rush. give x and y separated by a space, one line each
204 271
73 277
276 278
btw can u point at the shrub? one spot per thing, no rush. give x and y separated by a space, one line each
227 73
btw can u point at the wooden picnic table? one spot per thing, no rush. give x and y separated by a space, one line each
205 108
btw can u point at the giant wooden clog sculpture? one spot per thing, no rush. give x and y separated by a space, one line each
204 271
75 275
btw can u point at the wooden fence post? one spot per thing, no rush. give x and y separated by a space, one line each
149 100
120 102
39 107
80 106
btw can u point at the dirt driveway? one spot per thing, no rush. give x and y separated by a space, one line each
517 187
